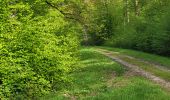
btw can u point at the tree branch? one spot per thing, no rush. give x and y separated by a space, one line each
48 3
66 15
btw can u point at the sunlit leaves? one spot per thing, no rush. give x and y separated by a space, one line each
37 49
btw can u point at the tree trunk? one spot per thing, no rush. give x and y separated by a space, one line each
137 8
126 12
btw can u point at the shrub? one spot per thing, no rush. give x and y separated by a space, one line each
36 52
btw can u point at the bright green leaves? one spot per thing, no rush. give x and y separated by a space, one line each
21 11
37 49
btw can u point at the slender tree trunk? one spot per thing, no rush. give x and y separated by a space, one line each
137 8
126 12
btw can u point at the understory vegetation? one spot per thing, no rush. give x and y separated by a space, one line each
132 24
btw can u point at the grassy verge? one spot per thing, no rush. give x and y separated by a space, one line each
99 78
165 61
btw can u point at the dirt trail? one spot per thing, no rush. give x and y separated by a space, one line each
161 67
136 69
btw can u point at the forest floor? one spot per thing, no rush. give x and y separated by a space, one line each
117 74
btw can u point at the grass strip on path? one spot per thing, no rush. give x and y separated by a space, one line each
156 59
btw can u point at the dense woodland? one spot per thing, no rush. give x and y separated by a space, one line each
134 24
40 39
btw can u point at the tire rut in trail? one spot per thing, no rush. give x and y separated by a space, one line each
135 68
159 66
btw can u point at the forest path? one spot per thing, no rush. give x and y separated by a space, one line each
153 72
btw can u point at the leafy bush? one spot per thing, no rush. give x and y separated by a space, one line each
36 52
123 38
161 39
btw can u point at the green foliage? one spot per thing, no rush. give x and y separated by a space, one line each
123 38
136 24
37 50
162 38
98 21
148 31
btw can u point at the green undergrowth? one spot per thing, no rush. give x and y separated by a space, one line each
99 78
165 61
